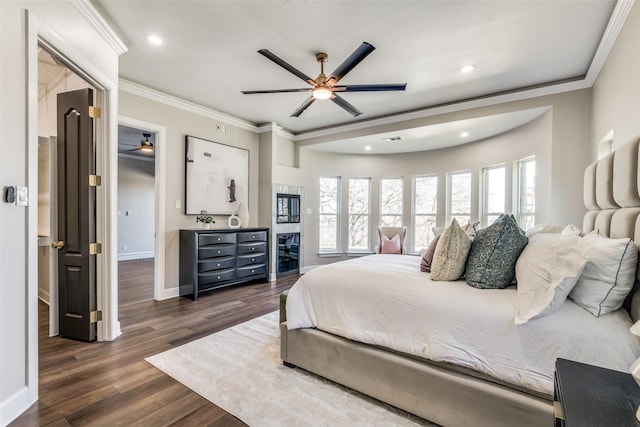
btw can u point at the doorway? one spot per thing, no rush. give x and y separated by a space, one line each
136 214
54 77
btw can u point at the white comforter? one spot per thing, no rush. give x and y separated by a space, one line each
385 300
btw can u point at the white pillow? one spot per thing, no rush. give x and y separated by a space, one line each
608 275
571 230
546 271
544 228
451 253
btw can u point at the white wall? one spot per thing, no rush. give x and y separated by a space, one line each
136 208
61 22
616 92
179 123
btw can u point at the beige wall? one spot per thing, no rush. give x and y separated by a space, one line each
616 92
178 124
20 22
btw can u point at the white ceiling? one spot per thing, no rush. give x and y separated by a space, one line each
210 54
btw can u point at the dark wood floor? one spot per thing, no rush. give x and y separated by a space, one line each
110 384
135 281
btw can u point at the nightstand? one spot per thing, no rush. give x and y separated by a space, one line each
591 396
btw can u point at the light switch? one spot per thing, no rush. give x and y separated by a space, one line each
309 211
178 204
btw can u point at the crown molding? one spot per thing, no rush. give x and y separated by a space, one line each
618 16
277 129
97 21
163 98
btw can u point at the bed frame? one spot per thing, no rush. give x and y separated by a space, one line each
449 396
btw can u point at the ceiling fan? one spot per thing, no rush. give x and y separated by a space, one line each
146 146
326 87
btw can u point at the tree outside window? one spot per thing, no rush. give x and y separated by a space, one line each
391 202
359 213
425 210
328 213
527 193
460 197
493 196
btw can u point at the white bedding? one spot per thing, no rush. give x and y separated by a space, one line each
385 300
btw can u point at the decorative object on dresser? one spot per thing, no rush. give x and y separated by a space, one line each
211 259
587 395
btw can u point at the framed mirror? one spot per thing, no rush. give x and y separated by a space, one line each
217 177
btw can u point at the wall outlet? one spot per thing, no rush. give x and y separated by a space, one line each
178 204
125 247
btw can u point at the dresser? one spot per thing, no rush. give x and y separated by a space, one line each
591 396
211 259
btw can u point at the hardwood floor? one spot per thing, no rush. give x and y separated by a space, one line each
110 384
135 281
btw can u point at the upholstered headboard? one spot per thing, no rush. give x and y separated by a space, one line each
612 195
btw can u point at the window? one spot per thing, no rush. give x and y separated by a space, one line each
328 213
527 193
493 193
359 213
425 210
391 202
459 197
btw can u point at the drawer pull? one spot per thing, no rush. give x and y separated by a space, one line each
253 249
218 239
218 277
218 251
253 237
218 264
253 271
253 259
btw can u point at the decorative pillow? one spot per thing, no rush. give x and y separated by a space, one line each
608 276
470 229
427 258
494 252
547 270
543 228
451 253
390 246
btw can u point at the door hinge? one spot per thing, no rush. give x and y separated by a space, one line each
95 248
95 180
95 316
95 112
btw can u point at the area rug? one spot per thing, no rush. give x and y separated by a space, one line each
239 369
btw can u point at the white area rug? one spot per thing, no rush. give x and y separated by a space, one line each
239 369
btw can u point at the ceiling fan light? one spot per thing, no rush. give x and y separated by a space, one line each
322 92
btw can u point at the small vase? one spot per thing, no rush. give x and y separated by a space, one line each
234 221
206 225
243 213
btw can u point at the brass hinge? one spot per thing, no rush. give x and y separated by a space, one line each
95 316
95 180
95 248
95 112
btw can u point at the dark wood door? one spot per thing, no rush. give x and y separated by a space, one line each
76 216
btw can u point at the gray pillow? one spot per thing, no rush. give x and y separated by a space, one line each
492 259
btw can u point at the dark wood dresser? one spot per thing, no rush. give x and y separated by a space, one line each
211 259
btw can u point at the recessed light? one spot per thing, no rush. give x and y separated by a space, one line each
153 39
464 134
368 148
467 68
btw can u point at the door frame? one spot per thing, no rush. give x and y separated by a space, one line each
159 293
106 98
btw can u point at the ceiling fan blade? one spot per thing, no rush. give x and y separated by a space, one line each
347 65
250 92
344 104
371 88
303 107
290 68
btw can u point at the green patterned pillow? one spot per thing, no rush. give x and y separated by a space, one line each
492 259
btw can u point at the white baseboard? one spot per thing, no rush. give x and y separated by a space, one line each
135 255
44 296
14 405
168 293
307 269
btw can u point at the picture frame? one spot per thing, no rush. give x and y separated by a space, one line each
216 177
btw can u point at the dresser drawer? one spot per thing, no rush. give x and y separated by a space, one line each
217 276
216 238
211 264
216 251
250 248
252 259
255 270
256 236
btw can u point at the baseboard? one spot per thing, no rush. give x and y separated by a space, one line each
135 255
14 405
308 268
44 295
168 293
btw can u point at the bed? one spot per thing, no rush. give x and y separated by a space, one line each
481 369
